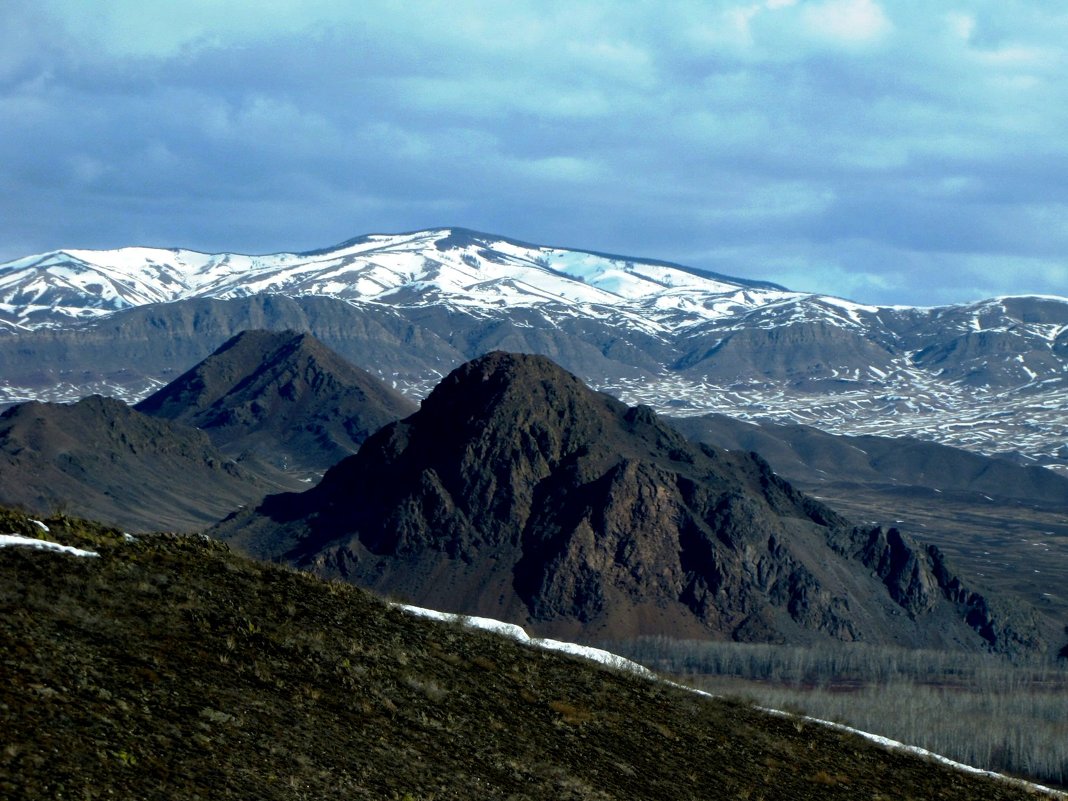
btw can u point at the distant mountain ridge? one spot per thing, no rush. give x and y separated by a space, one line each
814 458
989 376
472 268
516 492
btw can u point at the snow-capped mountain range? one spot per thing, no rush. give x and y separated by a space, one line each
989 376
457 267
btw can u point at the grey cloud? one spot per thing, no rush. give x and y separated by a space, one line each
653 130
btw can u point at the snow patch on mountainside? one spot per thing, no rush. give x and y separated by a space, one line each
518 633
18 541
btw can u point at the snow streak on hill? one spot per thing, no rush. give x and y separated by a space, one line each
616 662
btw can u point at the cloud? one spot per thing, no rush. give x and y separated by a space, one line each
884 149
847 21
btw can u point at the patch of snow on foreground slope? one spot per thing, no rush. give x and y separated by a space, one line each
913 749
616 661
15 540
519 634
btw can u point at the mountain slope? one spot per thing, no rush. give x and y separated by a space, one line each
283 396
168 668
518 493
813 457
987 376
996 519
116 464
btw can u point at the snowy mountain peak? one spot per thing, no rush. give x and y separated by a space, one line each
648 331
451 265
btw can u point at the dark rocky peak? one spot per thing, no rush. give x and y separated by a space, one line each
278 356
517 492
523 407
500 381
494 399
282 395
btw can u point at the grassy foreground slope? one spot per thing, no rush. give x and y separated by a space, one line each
170 668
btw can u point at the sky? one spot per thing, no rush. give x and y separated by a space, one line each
887 151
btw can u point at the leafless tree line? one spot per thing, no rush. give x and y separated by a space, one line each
980 709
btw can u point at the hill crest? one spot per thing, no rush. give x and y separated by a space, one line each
117 464
169 667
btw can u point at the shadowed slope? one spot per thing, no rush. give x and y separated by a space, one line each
283 396
104 459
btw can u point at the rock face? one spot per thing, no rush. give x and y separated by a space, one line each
519 493
990 516
107 461
282 396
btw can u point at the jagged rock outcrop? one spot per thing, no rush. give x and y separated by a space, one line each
898 561
957 499
1008 626
519 493
283 396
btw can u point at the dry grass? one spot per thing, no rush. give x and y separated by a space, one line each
110 691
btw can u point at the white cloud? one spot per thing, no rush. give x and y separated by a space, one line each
562 168
1007 274
763 203
847 21
833 279
1019 56
86 169
961 25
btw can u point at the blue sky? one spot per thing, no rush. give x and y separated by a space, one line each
889 152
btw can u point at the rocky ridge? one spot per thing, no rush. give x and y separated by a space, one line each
1000 522
518 493
105 459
